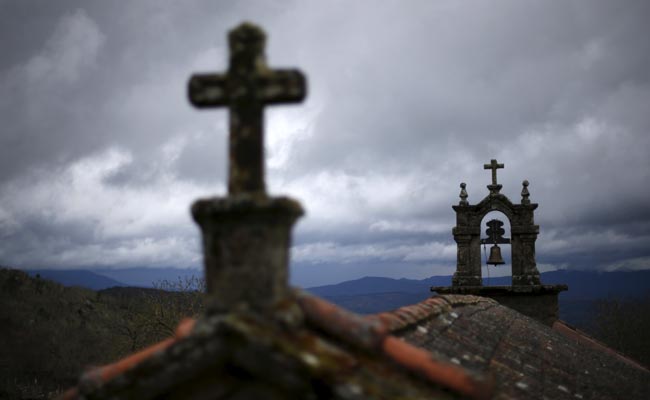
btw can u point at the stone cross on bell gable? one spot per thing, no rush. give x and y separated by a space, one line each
494 165
247 86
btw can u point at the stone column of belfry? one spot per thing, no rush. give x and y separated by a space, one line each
524 235
246 235
467 237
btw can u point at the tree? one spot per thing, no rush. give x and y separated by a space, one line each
622 324
174 300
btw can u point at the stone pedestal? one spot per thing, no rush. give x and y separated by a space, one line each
536 301
246 242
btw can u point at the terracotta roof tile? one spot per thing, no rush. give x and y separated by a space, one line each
340 323
407 316
445 374
372 333
528 359
97 376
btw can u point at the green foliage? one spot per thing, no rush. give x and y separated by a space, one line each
51 333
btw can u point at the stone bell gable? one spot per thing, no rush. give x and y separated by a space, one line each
467 234
527 294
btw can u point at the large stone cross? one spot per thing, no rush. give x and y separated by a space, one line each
493 165
245 89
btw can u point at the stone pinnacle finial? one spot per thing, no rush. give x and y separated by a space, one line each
463 195
525 194
247 86
247 235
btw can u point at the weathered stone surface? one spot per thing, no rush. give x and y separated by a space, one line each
246 236
493 165
536 301
246 241
525 194
468 230
526 295
463 195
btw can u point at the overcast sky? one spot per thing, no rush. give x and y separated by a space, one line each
101 154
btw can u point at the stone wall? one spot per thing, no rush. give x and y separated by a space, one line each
536 301
542 307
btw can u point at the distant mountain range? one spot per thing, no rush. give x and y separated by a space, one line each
148 277
375 294
99 279
81 278
583 285
577 305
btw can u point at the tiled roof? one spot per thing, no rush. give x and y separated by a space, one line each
373 334
443 347
577 335
526 358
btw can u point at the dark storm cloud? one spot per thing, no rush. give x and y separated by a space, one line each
404 103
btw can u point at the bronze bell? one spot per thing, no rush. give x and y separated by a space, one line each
495 256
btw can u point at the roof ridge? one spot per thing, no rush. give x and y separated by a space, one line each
407 316
373 334
578 335
97 376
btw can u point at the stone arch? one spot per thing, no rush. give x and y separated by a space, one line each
506 248
495 203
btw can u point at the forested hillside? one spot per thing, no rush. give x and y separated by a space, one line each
50 333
